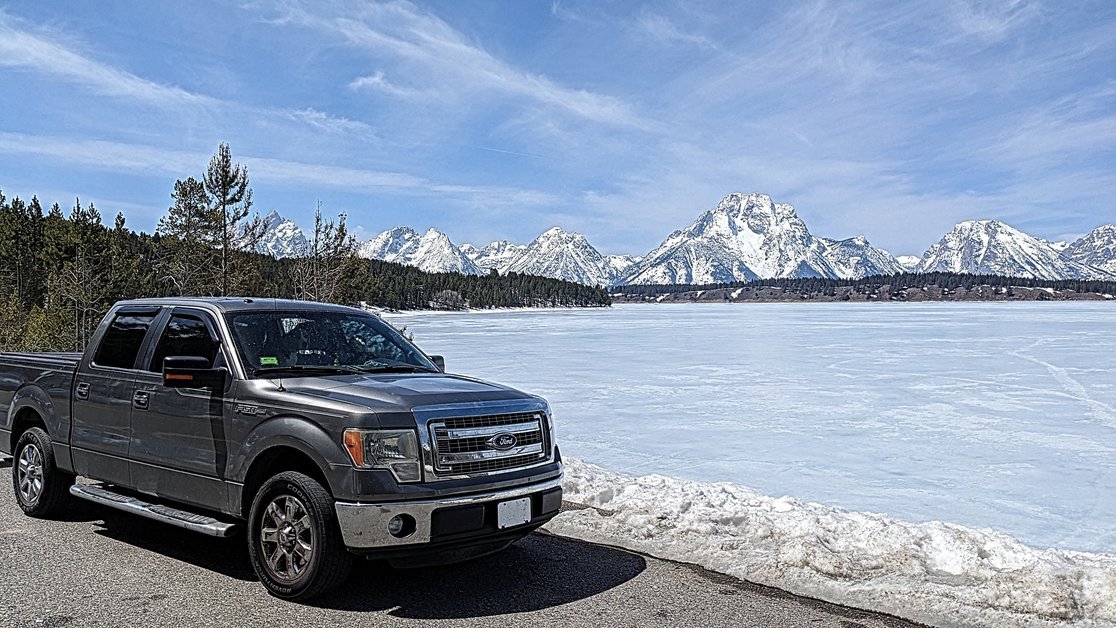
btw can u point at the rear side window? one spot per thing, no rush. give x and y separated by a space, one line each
122 340
184 336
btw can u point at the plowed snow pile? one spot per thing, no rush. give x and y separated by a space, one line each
938 573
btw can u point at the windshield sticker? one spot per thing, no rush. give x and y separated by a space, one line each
269 361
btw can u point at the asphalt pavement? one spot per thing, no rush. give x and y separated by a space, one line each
100 567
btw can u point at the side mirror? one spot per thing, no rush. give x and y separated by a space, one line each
439 362
192 372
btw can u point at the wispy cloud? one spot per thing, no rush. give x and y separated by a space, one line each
27 49
993 19
661 28
433 50
39 51
148 160
329 124
378 82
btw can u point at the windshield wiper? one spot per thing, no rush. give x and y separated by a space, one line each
396 368
309 369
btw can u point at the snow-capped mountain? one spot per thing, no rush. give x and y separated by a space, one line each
432 251
282 237
564 255
749 237
989 247
616 265
1097 249
557 253
855 258
909 262
498 255
745 237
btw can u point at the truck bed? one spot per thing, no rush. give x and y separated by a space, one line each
46 361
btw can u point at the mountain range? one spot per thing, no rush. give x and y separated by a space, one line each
745 237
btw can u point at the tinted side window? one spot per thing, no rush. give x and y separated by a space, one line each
184 335
122 340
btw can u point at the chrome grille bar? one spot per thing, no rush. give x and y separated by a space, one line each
491 430
474 445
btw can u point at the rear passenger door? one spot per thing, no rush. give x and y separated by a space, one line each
102 397
178 448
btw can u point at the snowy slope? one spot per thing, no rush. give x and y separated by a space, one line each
939 573
432 252
1097 249
564 255
855 258
556 253
282 237
909 262
498 255
616 265
989 247
745 237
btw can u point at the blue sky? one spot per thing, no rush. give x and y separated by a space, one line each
620 120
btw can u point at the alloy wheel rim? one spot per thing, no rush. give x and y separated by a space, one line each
287 538
29 474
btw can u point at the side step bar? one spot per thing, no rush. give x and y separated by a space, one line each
180 518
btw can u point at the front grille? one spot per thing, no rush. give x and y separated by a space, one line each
465 445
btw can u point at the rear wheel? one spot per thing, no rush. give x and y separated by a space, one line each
41 489
293 538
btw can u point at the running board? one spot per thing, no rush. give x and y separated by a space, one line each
180 518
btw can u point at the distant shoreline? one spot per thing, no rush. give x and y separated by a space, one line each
866 294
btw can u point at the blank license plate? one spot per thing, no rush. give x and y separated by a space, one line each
513 513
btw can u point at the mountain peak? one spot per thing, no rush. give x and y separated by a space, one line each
432 252
991 247
281 237
553 231
1096 248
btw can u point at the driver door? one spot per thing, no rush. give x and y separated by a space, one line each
178 447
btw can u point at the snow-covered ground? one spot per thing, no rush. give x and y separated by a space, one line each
942 574
984 415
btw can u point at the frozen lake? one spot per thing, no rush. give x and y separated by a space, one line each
997 415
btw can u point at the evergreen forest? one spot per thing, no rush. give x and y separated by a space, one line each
62 269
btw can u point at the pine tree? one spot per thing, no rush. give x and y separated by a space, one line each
230 200
188 262
327 270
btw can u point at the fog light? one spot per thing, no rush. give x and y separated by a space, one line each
401 526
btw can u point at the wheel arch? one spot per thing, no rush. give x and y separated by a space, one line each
272 461
23 419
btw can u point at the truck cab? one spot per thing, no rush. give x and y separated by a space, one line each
319 428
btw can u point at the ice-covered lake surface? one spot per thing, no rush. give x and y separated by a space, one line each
986 414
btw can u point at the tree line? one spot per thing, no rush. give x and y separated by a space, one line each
61 270
873 283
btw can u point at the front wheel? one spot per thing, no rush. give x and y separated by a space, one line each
41 488
293 539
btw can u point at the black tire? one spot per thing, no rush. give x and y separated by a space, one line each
277 555
41 489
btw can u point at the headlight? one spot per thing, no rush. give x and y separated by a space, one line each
394 450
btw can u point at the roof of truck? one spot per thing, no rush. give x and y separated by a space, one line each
237 304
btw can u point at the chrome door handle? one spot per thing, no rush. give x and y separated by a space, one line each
82 390
140 399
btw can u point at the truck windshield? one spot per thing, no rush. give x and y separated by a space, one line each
321 343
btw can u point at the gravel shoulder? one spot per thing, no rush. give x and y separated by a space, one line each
99 567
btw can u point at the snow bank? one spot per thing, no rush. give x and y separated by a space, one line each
938 573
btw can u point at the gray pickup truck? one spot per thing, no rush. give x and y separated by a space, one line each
318 428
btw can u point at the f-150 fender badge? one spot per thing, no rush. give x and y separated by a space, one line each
250 410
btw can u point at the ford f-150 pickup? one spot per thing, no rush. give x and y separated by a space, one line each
318 428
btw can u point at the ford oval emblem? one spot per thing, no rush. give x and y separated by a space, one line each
502 442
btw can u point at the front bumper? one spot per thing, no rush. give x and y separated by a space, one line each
448 520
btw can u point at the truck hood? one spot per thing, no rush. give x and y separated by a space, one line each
401 393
